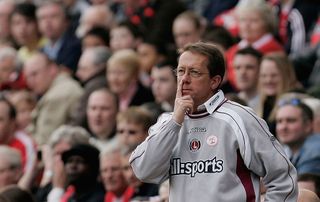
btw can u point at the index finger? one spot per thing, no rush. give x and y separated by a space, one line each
179 89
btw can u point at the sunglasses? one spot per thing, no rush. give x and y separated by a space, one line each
293 101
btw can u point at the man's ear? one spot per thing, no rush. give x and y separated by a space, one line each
215 82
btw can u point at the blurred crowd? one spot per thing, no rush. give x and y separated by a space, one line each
82 81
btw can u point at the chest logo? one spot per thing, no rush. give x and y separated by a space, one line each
212 140
194 145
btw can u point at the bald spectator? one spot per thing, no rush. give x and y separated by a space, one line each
101 111
63 46
58 94
307 196
94 16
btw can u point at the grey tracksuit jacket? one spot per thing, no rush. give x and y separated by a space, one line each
217 155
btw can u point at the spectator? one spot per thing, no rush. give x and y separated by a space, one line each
11 166
11 77
307 196
187 28
257 24
24 102
63 47
275 78
113 178
81 165
151 52
61 140
6 8
132 127
94 16
58 92
24 29
246 67
97 36
122 78
314 104
309 181
91 73
14 193
125 35
164 84
294 130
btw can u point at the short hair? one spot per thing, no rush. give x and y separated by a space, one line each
99 32
107 91
191 16
216 62
250 51
306 112
58 3
74 135
13 156
13 193
26 9
136 115
263 8
135 30
313 177
128 58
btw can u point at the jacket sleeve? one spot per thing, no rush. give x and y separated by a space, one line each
263 154
151 159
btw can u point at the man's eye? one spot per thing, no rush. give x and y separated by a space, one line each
194 73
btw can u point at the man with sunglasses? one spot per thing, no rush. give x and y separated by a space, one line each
294 127
212 149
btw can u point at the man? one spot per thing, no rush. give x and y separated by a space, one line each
294 127
91 73
11 168
63 47
81 166
246 67
164 84
6 8
214 147
58 94
113 178
101 111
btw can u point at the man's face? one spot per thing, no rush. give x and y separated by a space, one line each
185 32
111 173
290 127
246 71
128 172
199 88
24 30
86 67
8 174
52 21
121 38
101 113
37 73
6 124
76 167
164 84
131 134
7 67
